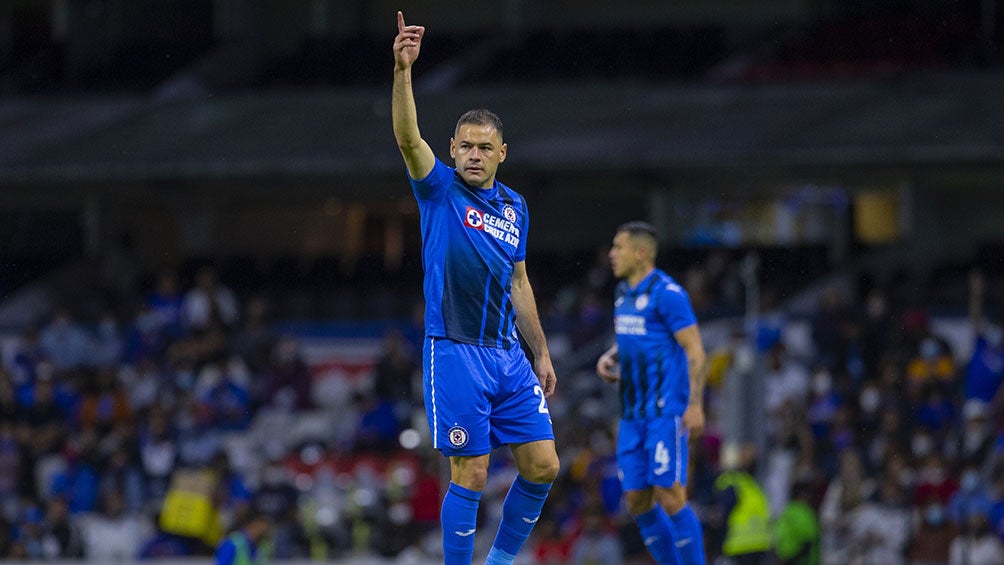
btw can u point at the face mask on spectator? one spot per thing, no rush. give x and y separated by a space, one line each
970 481
929 348
921 445
821 383
869 400
934 515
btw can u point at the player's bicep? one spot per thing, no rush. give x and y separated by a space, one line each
520 281
419 159
689 339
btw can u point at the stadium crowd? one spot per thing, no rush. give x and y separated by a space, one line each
151 433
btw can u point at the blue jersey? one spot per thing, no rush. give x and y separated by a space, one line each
655 379
471 240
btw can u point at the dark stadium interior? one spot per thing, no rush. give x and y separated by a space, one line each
827 178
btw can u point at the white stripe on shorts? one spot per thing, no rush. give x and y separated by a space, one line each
432 385
679 450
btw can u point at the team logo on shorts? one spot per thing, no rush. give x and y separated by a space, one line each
509 212
458 436
641 302
473 218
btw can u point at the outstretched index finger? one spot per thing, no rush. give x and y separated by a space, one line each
400 21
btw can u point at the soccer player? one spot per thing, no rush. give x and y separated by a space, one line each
659 361
480 390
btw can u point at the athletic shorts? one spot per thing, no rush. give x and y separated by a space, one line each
652 452
479 398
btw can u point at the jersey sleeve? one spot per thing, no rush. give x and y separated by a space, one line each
435 184
674 307
524 231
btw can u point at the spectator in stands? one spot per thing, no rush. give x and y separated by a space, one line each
977 433
12 465
27 354
233 496
78 481
596 541
62 534
255 339
158 451
43 421
828 327
928 356
288 381
977 544
935 484
105 404
121 473
65 342
276 497
932 534
971 497
879 530
113 534
985 370
843 497
108 342
225 399
209 300
394 376
165 303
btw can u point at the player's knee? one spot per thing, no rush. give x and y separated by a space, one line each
673 499
542 470
470 474
638 501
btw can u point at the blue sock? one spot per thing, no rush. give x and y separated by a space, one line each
520 513
688 536
459 518
657 534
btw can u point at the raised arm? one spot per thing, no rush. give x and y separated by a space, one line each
418 156
528 323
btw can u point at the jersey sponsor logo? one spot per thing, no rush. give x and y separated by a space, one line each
458 436
629 324
473 218
498 227
641 302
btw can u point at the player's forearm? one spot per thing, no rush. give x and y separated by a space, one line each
404 115
697 371
528 321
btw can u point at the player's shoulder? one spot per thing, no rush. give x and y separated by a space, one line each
511 196
668 284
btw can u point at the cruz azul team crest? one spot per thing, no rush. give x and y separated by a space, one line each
499 227
458 436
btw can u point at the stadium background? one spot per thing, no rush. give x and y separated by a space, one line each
824 174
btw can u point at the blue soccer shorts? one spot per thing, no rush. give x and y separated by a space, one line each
479 398
652 452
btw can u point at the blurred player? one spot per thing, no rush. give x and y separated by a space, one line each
659 362
480 390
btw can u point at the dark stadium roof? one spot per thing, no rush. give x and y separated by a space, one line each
904 122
